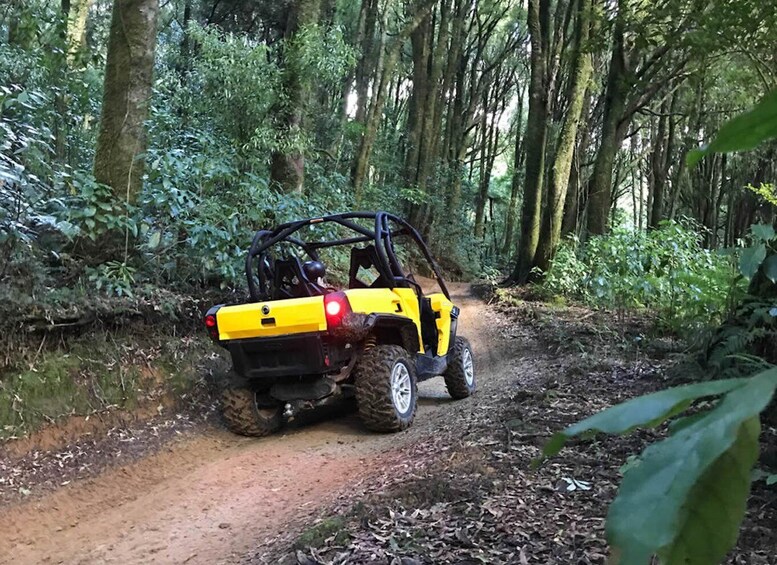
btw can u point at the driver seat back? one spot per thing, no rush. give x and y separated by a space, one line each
284 285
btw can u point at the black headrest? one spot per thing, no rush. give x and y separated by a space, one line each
314 270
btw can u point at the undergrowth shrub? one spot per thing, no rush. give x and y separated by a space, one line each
665 269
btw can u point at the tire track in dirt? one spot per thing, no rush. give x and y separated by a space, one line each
213 497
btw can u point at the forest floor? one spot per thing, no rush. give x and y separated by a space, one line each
458 487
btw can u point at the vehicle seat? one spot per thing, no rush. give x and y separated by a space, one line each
292 281
364 258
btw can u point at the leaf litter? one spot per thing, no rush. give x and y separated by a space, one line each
470 494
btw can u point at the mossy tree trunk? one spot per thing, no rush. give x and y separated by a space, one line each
582 68
366 65
384 67
600 183
74 19
662 157
121 139
77 17
535 139
287 169
515 184
388 56
431 43
494 96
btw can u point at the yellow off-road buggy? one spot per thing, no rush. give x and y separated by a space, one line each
300 343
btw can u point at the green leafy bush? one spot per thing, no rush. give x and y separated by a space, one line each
747 340
666 269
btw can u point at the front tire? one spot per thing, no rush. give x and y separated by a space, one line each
386 388
245 415
460 374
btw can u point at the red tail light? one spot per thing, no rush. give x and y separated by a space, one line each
336 306
212 323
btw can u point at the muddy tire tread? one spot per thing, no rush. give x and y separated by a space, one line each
238 408
373 388
455 379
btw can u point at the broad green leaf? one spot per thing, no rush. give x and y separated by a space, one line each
681 423
716 504
743 132
644 411
696 155
762 232
770 267
751 259
658 510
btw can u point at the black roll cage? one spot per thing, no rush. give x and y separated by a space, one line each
382 237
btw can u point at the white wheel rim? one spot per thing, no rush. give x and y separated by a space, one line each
401 387
469 368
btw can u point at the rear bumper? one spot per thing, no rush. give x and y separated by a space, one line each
287 356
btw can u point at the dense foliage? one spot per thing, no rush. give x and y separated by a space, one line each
665 270
368 129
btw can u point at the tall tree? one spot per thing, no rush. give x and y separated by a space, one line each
121 141
288 166
515 183
538 19
581 70
388 55
77 14
600 184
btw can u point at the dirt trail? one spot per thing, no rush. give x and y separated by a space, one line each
213 497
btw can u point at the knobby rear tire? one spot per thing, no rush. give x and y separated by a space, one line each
457 381
373 379
243 416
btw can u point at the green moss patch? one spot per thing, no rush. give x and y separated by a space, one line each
96 372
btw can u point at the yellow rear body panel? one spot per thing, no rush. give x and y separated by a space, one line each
284 317
306 315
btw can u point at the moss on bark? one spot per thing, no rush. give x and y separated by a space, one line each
121 141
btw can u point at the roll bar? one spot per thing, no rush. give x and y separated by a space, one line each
382 236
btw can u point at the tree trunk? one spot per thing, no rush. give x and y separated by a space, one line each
383 71
365 67
77 16
559 179
419 41
457 136
600 184
184 62
121 140
287 169
486 132
387 62
515 183
661 159
536 135
572 206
